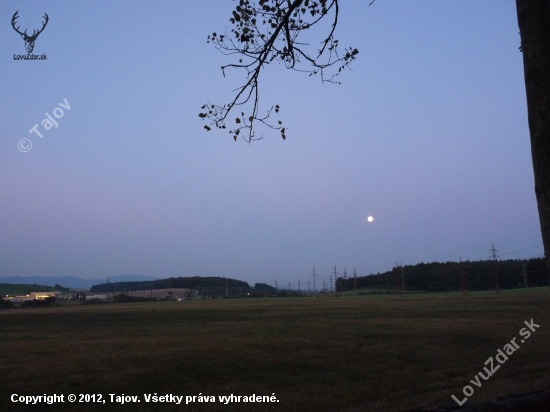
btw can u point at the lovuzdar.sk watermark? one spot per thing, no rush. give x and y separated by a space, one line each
501 357
29 39
30 57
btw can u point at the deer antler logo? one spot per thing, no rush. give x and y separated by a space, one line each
29 40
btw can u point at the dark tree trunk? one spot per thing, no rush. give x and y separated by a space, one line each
534 27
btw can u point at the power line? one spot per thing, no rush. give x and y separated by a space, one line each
516 238
462 280
493 253
345 278
494 257
522 250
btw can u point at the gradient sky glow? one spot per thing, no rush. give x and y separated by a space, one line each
428 134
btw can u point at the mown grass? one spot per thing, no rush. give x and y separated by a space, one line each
346 353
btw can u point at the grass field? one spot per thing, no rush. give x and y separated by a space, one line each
347 353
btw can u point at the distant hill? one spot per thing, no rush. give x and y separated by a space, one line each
207 286
71 282
127 278
25 289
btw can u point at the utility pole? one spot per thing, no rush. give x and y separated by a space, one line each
298 286
309 287
494 256
345 278
462 280
398 278
494 253
335 277
525 275
397 275
354 280
313 274
288 287
330 280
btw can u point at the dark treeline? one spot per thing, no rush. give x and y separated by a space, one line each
264 288
207 286
435 276
445 277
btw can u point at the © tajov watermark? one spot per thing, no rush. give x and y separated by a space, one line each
25 144
147 398
501 357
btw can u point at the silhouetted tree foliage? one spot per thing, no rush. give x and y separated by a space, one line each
269 32
61 288
262 288
207 286
283 293
445 277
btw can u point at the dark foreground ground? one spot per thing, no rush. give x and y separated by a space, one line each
346 353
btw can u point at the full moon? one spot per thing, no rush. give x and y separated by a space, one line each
370 219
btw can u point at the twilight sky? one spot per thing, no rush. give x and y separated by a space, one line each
428 134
